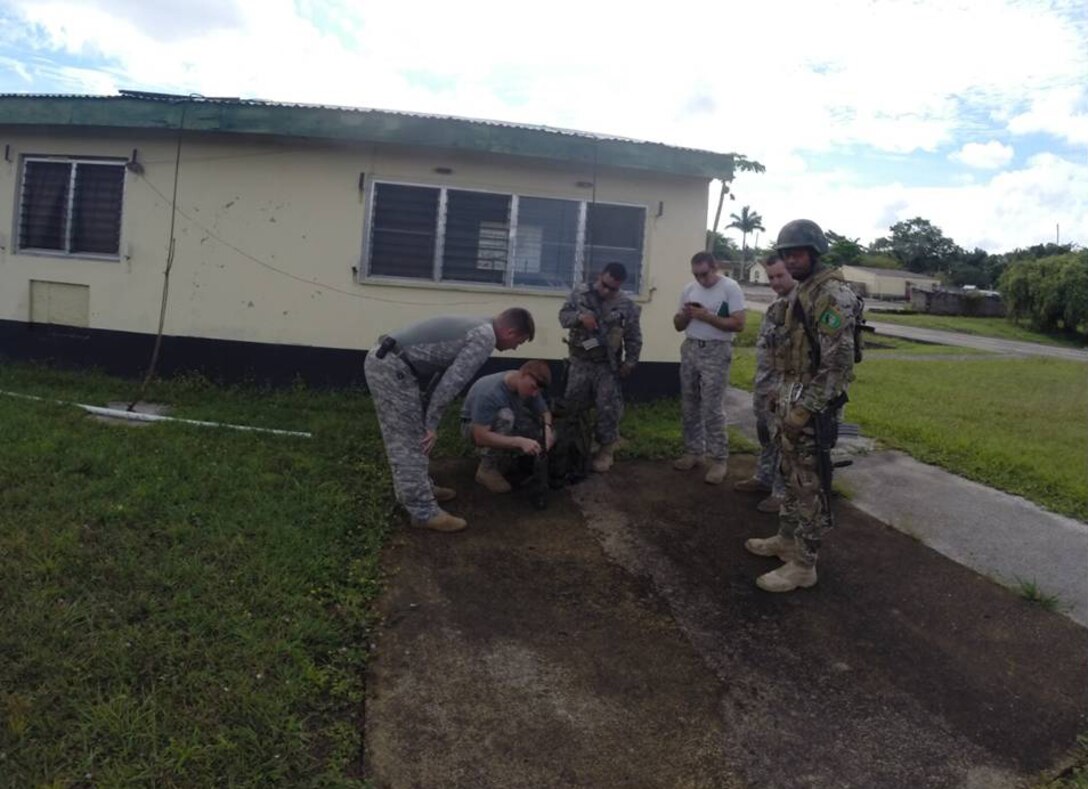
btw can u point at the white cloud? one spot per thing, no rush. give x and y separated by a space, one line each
984 156
1062 112
893 77
1012 209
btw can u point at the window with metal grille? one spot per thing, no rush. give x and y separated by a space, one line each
463 236
71 206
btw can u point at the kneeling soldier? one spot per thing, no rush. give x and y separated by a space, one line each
502 414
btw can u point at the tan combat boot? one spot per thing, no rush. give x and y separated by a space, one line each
782 547
715 475
788 577
751 485
603 460
686 462
442 494
492 479
443 521
770 504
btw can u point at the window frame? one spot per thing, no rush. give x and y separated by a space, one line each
73 162
581 248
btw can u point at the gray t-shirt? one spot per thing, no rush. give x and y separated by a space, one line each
490 394
453 346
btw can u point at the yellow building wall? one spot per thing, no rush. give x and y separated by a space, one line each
886 286
270 232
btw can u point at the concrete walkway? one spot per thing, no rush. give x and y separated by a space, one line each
1004 537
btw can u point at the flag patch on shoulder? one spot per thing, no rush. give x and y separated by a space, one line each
831 318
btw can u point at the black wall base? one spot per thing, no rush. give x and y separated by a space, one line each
127 354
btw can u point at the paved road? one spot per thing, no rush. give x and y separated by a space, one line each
758 299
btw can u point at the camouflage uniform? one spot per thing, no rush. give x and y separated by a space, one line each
771 335
594 372
828 306
447 352
704 376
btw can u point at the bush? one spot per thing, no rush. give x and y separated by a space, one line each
1050 293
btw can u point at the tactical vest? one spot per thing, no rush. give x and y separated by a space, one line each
794 359
608 337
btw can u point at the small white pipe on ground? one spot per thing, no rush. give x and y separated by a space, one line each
133 416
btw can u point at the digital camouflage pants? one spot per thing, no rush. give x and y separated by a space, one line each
592 383
397 400
704 377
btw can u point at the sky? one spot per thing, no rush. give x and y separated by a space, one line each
972 114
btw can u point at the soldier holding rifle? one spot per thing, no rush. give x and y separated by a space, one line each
605 343
816 363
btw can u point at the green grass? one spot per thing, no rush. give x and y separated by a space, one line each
1075 775
652 430
1019 425
1032 593
185 606
986 327
190 607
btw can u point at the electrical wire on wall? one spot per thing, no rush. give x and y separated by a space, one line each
169 259
313 282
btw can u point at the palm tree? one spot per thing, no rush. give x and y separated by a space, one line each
746 222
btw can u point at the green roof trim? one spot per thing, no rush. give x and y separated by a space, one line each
239 116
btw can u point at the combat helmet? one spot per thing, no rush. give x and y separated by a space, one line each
802 233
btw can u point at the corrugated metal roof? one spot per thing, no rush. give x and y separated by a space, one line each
430 129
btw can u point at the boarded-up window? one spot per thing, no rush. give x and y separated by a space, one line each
71 206
60 303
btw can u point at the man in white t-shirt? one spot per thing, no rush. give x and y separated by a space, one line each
711 312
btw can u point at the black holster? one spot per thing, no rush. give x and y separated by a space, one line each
387 344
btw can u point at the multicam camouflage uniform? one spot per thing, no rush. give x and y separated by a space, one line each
449 348
772 334
828 306
594 371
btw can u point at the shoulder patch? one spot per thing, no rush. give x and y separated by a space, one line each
831 319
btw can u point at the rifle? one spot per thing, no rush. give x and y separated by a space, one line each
825 423
541 479
602 338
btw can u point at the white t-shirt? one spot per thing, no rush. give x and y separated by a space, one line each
723 298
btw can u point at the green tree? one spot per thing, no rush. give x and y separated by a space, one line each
747 221
723 247
970 268
842 251
919 245
1051 292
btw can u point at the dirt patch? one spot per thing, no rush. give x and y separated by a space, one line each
520 653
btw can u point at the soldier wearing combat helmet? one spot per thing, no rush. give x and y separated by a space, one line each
816 363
